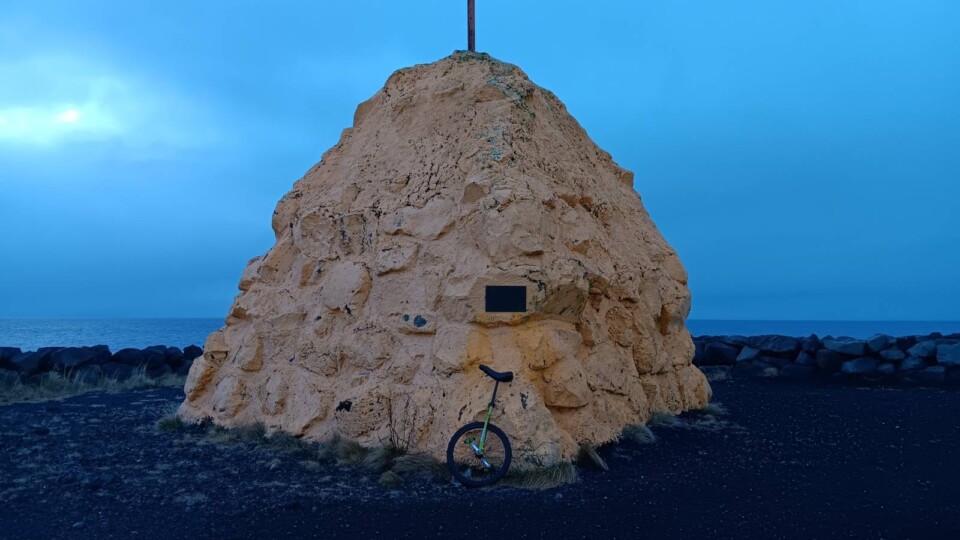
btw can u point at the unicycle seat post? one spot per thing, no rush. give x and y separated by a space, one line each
493 400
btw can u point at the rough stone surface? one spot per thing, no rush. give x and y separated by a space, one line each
948 355
860 366
878 342
370 307
892 355
932 375
775 344
70 358
830 361
748 353
806 359
853 347
719 354
924 349
912 363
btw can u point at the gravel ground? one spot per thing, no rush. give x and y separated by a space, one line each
786 461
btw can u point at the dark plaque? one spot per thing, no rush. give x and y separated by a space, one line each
506 299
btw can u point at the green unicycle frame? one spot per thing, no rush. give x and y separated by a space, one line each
486 424
473 467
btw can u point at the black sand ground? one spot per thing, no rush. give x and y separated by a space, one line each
787 461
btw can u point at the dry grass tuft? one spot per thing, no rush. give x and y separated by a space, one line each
587 451
346 452
170 421
665 419
390 479
542 478
715 409
639 434
716 373
421 466
53 385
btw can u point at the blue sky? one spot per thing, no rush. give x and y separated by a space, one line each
802 157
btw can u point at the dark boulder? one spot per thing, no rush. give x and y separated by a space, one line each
192 352
905 342
159 370
719 354
794 371
853 347
879 342
174 357
948 355
748 353
117 371
184 367
697 350
923 349
811 344
953 377
733 341
776 361
154 358
892 355
70 358
912 363
887 369
775 345
931 376
806 359
32 362
830 361
130 357
7 354
860 366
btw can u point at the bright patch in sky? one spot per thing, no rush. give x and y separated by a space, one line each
55 99
69 116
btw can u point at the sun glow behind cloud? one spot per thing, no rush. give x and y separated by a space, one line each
54 100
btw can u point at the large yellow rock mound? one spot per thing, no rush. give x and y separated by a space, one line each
368 317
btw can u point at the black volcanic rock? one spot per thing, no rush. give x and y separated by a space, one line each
174 357
32 362
905 342
934 375
719 354
923 349
69 358
853 347
130 357
7 354
192 352
806 359
811 344
154 358
912 363
879 342
860 366
830 361
775 345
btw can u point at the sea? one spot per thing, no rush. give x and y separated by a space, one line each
30 334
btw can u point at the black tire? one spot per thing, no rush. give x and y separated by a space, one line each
463 467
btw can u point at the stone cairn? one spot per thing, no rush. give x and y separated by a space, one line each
465 218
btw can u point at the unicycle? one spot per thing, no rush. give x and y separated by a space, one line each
479 453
